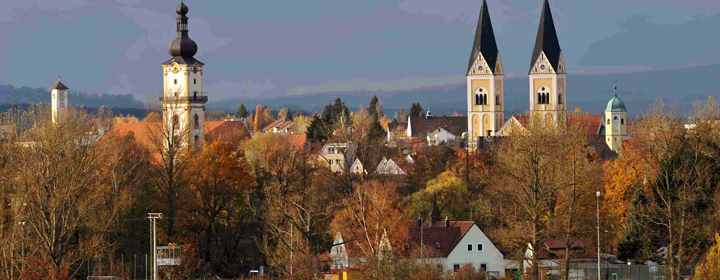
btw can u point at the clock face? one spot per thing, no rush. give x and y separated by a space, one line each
175 69
543 67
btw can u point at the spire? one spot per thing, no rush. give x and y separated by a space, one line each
484 40
615 91
182 49
547 40
435 212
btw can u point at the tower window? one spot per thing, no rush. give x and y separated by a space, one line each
196 122
560 95
543 95
622 121
481 97
497 99
194 81
175 81
175 122
608 121
197 139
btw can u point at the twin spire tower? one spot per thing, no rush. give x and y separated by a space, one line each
547 76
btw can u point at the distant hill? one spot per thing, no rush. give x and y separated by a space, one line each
589 92
12 95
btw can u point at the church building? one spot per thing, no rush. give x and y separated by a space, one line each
547 79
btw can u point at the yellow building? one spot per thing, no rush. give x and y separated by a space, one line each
484 81
547 75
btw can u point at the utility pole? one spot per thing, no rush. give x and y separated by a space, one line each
598 232
153 217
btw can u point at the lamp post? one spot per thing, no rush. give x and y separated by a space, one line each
598 232
22 243
153 217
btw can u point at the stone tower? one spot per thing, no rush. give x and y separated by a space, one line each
183 100
484 81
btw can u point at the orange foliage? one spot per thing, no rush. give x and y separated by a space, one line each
373 219
622 177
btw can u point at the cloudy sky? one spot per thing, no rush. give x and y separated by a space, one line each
275 48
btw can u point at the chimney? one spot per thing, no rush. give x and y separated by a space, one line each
419 222
447 222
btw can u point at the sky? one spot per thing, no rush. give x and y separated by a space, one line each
271 49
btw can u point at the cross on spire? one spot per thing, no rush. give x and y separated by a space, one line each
59 76
615 91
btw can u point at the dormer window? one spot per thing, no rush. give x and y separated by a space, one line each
407 246
437 245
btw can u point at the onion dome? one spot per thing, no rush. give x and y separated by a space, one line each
615 104
182 46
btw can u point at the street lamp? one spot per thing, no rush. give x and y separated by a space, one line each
22 243
153 217
598 233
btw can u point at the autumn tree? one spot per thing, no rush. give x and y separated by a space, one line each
400 116
219 176
56 188
259 122
372 218
710 267
453 197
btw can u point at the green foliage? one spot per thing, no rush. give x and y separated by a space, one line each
415 110
452 197
241 111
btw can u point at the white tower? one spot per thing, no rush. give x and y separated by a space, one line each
615 123
59 100
183 100
484 81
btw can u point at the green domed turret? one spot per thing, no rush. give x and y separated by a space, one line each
615 104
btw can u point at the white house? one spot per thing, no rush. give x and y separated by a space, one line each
457 243
389 167
440 136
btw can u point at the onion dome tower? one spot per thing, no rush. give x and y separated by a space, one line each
183 99
615 123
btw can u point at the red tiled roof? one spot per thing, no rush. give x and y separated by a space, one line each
424 126
448 237
279 124
59 86
148 136
592 122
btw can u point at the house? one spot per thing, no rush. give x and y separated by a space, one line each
457 243
389 167
339 155
551 258
279 126
434 130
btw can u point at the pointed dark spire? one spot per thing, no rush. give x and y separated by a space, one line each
547 40
484 40
435 212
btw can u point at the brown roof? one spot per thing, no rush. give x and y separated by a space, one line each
423 126
448 237
297 140
593 122
59 86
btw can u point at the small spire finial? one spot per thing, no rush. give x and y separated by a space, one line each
59 76
615 91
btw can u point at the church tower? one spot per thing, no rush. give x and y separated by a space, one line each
484 81
547 70
183 100
59 100
615 123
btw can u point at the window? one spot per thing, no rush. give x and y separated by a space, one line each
196 122
440 267
407 246
479 247
469 247
456 267
197 139
608 121
437 245
622 121
543 95
481 96
175 121
176 81
560 93
497 99
194 81
330 160
483 267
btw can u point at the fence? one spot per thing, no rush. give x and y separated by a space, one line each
132 267
585 271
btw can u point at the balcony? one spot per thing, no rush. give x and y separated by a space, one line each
184 98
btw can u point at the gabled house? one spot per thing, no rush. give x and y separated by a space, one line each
339 155
279 126
457 243
389 167
551 257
